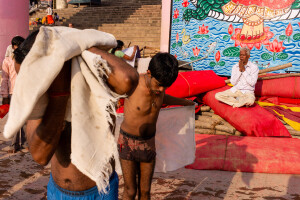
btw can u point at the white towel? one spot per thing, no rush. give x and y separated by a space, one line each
129 52
174 139
92 102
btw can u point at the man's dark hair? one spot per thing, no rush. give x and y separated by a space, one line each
21 52
120 44
164 68
17 41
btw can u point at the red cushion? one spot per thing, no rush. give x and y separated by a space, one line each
4 110
252 121
288 87
193 83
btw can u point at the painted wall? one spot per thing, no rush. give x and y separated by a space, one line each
14 19
215 30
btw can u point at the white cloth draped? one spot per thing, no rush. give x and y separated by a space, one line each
92 102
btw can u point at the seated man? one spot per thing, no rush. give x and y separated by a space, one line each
136 142
244 77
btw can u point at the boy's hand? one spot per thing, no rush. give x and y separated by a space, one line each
190 103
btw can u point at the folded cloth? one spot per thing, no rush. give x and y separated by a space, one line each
281 101
92 102
291 115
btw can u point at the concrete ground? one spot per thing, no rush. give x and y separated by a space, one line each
22 179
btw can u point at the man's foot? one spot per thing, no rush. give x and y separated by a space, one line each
12 149
24 148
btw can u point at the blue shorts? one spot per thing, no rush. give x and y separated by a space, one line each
54 192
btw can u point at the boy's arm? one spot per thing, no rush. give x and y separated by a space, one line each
124 78
170 100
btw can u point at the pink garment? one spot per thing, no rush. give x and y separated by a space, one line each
9 76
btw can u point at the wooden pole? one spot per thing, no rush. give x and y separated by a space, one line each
279 76
271 69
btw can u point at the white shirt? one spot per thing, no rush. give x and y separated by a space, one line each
244 81
9 51
49 11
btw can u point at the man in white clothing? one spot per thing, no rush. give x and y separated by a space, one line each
244 77
49 15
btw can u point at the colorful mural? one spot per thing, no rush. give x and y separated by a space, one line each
212 31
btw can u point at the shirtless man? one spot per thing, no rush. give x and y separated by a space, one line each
49 136
136 142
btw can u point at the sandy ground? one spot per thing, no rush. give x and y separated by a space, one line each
21 178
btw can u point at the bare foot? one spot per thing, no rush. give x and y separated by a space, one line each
253 28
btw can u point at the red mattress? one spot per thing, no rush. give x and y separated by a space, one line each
247 154
4 110
252 121
288 87
192 83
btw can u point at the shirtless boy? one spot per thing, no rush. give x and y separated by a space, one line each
136 142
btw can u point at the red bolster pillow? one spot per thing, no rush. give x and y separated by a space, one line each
288 87
193 83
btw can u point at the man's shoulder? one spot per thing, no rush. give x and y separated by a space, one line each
235 66
251 64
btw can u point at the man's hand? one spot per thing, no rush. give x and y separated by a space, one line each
241 66
5 100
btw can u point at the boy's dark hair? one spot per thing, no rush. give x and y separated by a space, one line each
120 44
17 41
164 68
21 52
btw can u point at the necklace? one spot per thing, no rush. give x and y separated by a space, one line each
153 97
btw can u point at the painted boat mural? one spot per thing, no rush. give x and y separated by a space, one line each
216 29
